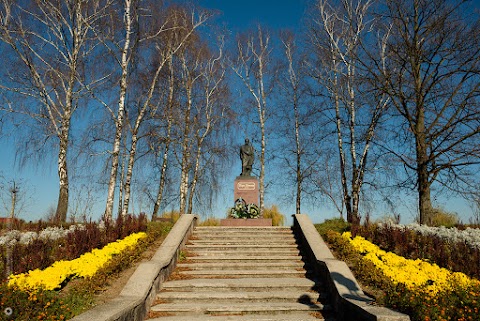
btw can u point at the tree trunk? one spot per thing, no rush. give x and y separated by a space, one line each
262 161
194 179
355 197
343 175
185 167
62 205
121 177
128 175
184 181
424 201
161 181
119 123
299 158
261 115
354 216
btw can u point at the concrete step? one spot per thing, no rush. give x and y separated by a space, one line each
245 252
242 241
241 296
238 233
243 258
225 274
238 308
240 229
239 274
239 239
244 235
240 236
302 316
221 247
243 284
227 235
287 265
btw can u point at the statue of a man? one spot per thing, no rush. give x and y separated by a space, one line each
247 155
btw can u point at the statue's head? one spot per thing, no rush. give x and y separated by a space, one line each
247 141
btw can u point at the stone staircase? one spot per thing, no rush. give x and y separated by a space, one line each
241 273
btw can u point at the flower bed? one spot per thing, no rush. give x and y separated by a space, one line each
51 233
32 250
86 265
423 290
453 249
76 297
469 236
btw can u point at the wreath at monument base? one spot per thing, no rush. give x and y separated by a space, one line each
244 210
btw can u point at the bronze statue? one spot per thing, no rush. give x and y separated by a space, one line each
247 155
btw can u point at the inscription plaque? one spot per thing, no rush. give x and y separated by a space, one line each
246 186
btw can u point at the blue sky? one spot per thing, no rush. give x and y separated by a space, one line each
238 15
41 179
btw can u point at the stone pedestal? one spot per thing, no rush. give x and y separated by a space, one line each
246 187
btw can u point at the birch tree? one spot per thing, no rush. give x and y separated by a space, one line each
140 32
298 118
190 60
129 18
337 35
51 42
432 79
162 144
210 111
184 24
252 64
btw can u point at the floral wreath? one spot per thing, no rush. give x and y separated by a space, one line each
244 210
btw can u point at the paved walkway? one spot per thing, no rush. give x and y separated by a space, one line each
242 273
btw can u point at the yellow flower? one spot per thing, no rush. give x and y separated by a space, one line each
416 275
86 265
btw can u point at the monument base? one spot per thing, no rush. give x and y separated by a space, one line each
246 222
246 187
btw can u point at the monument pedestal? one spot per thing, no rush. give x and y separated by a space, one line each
246 187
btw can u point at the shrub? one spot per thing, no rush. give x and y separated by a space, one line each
211 221
156 230
172 215
278 219
439 217
336 224
41 305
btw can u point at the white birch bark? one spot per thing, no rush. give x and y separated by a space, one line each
169 111
293 82
186 139
119 122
